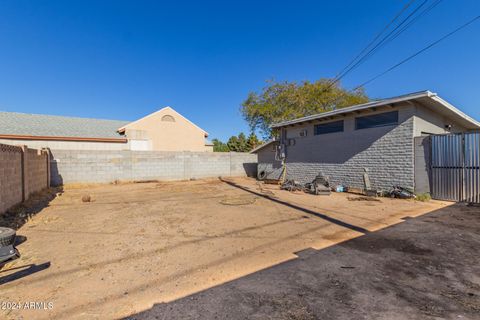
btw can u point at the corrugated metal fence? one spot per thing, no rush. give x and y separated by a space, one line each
455 167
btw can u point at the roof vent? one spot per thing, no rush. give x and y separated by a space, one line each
168 118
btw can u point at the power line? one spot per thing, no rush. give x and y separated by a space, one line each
376 37
418 52
382 42
421 14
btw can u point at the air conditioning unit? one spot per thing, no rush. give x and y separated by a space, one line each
303 133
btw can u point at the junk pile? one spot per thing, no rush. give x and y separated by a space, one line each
319 186
400 193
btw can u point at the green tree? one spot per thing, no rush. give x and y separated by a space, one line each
219 146
238 143
280 101
252 142
242 142
233 144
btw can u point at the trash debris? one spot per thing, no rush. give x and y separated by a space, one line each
401 193
317 189
340 188
319 186
86 198
292 185
368 187
262 175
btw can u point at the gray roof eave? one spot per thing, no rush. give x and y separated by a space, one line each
255 150
357 107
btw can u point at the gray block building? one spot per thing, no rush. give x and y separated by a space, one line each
385 138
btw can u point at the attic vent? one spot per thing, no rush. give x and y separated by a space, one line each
168 118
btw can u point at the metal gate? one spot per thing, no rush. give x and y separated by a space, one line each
455 167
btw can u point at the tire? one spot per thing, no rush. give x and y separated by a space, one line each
7 236
262 175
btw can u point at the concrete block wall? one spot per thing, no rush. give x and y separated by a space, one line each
23 171
36 171
388 160
82 166
268 164
386 152
10 176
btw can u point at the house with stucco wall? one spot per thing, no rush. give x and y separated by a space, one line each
163 130
385 138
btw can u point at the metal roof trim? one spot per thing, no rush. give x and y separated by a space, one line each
357 107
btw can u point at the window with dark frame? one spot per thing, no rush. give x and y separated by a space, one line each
376 120
323 128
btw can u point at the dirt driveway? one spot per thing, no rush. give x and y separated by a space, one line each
135 245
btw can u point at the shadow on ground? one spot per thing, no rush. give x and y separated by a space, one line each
18 215
424 268
22 271
293 206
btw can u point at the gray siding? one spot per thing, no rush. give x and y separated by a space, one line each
267 162
386 152
428 122
389 153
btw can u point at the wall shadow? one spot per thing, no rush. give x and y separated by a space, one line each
427 155
250 169
399 270
18 215
296 207
23 271
56 178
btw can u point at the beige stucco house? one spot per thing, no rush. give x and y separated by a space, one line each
163 130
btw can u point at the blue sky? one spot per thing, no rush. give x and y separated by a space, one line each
125 59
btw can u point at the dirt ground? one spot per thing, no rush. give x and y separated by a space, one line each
136 245
425 268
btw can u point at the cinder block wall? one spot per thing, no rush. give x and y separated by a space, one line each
386 152
36 173
82 166
388 160
10 176
23 172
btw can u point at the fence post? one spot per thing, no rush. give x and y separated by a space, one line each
24 172
46 151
